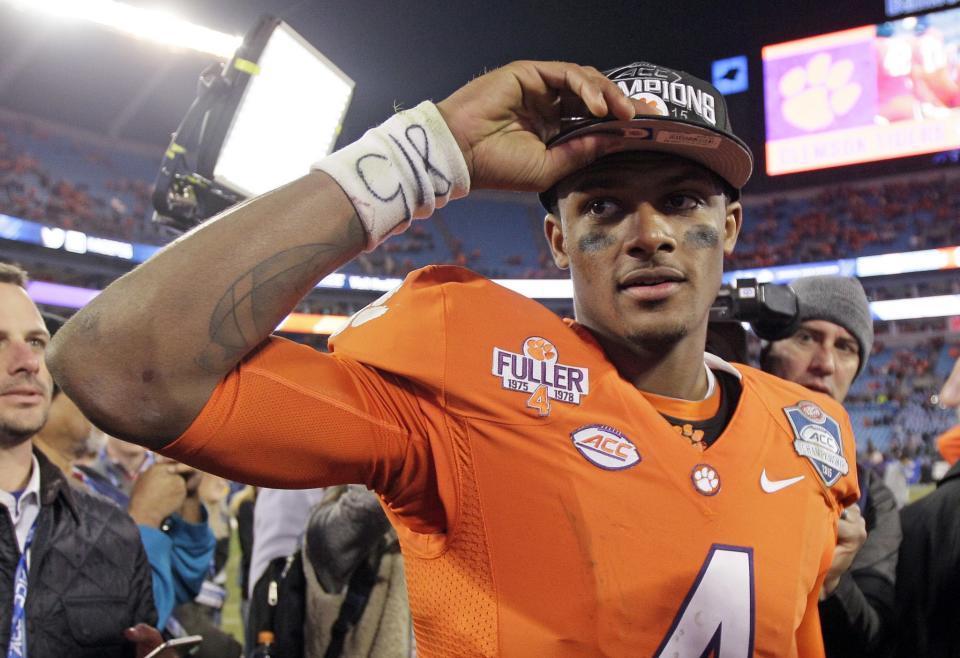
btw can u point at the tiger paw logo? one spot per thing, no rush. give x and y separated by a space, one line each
818 92
650 105
695 436
371 311
705 479
537 371
540 349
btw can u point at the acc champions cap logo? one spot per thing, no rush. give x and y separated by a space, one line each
817 437
667 92
536 370
605 447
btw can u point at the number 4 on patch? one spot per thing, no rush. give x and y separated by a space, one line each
540 400
717 615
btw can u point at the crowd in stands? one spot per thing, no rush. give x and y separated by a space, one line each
61 181
928 287
894 408
849 220
49 178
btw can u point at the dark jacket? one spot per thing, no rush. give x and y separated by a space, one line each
928 574
857 618
352 562
89 577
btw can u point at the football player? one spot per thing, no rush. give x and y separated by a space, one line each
589 487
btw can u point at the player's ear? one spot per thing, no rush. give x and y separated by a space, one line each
731 225
553 229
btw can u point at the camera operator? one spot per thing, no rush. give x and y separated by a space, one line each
826 353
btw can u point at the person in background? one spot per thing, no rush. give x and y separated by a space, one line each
164 498
67 437
826 353
161 497
356 595
75 560
202 615
241 509
928 573
276 583
120 463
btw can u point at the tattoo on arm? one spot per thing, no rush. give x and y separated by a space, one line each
254 304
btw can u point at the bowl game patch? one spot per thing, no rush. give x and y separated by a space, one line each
817 437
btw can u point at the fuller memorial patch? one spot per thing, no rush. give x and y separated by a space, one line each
536 370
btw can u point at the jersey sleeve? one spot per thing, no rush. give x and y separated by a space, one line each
291 417
369 413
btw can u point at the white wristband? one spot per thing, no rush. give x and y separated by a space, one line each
400 171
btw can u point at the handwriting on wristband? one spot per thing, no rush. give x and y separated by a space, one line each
415 149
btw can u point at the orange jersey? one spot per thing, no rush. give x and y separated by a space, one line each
545 508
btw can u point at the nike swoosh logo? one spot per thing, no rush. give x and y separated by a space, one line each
773 486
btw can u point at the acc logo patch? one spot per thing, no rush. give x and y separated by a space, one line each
817 437
605 447
536 370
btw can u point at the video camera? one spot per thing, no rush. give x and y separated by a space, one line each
258 122
771 309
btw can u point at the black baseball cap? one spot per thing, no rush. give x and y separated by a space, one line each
688 117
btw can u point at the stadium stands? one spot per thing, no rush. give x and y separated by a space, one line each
49 177
63 181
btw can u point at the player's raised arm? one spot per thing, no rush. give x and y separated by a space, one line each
144 356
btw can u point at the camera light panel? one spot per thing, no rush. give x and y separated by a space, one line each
289 116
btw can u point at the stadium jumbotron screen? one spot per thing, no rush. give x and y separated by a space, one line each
869 93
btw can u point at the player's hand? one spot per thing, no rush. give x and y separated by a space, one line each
950 393
158 493
851 533
502 121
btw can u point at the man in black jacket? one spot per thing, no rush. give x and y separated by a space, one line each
73 573
928 575
826 354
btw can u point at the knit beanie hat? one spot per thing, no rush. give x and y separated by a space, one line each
841 300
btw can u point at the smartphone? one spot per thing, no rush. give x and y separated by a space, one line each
180 643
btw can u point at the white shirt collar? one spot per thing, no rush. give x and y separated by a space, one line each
24 510
29 496
714 362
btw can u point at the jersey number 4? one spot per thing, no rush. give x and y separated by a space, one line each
717 616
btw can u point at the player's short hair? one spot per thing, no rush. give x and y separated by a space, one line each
10 273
